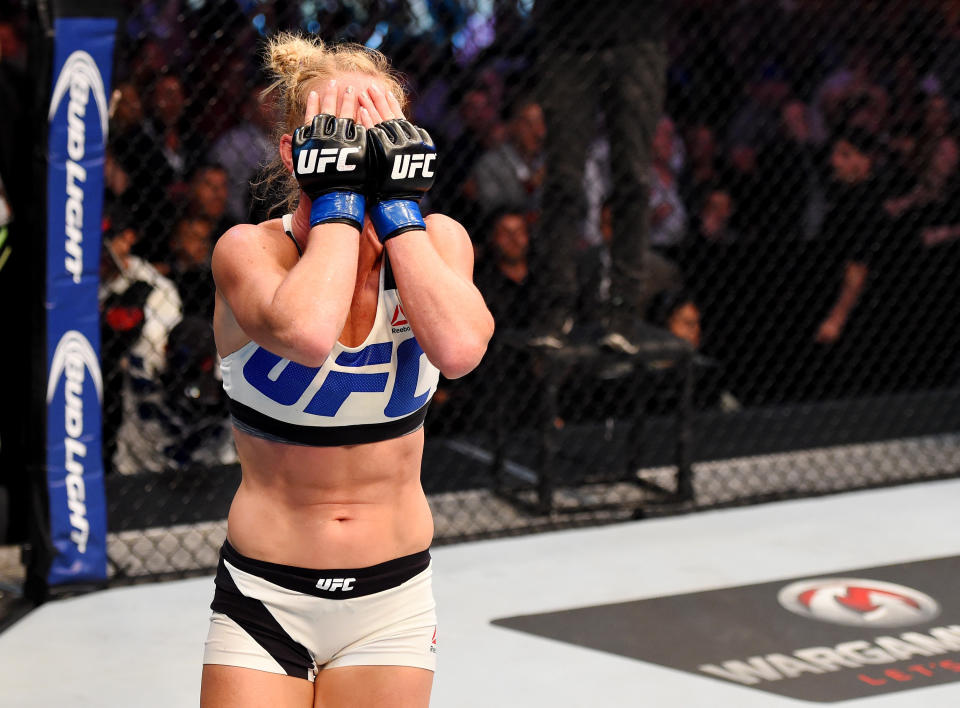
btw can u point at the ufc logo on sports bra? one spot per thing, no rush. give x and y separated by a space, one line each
285 382
310 161
407 165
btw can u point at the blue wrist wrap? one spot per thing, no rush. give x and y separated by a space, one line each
394 217
338 207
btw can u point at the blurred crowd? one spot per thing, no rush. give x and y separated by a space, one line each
802 197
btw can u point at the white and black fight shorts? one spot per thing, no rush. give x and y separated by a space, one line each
297 621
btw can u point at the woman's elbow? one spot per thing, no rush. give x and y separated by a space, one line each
311 347
454 367
460 360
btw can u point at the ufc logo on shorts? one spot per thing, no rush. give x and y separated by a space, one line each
407 165
310 161
332 584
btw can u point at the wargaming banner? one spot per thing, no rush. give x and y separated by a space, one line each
831 638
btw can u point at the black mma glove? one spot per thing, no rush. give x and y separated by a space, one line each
330 164
403 162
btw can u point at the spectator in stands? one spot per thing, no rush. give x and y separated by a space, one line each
504 278
212 110
148 61
725 274
789 171
207 193
668 214
503 274
714 218
191 247
704 165
856 234
126 109
854 220
937 184
851 91
138 156
938 121
117 195
754 125
512 172
913 278
246 147
431 68
676 311
482 132
169 129
139 308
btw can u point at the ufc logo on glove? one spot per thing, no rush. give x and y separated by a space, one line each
393 164
405 166
308 163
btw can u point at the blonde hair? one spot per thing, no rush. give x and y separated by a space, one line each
299 64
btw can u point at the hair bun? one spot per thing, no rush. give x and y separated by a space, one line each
286 53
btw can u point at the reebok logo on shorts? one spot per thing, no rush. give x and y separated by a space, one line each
331 584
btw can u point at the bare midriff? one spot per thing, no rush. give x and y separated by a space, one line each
332 507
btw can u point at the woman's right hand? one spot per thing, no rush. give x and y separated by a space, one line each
330 158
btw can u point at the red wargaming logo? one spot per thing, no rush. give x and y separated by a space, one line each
860 599
857 602
399 319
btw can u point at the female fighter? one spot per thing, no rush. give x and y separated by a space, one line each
333 324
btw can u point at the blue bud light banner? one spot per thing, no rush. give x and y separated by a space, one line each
82 58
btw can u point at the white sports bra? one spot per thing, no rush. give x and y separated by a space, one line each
376 391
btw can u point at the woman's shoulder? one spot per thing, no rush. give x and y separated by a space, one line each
442 225
243 236
445 231
245 231
243 241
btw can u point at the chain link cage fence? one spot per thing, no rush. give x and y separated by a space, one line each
765 193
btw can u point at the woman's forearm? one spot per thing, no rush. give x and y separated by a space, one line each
446 311
316 294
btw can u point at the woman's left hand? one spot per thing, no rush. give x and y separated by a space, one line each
377 107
